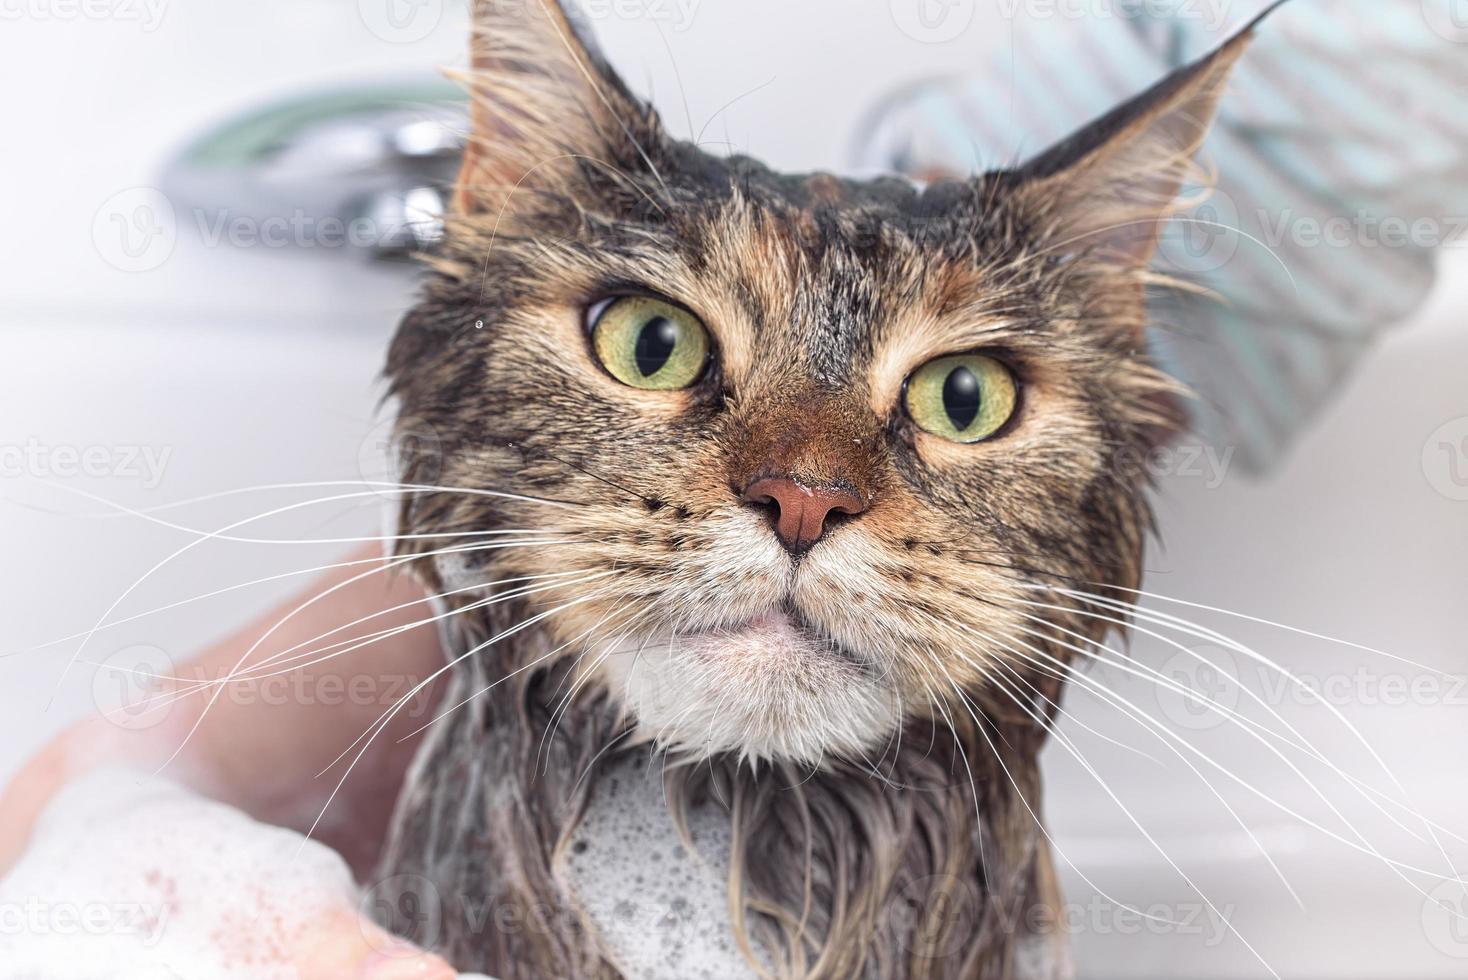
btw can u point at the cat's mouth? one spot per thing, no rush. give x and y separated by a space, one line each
781 627
772 685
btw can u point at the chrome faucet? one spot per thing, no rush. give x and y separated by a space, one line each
364 171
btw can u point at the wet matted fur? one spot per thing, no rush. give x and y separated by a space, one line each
881 782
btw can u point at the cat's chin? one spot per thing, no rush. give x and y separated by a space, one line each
767 689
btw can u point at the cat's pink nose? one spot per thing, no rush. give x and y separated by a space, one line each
801 513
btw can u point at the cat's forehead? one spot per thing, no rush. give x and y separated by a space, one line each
817 271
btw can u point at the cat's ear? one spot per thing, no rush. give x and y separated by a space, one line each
1107 189
545 107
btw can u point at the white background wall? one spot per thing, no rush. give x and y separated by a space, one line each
258 366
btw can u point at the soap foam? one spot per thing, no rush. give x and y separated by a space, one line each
130 877
660 910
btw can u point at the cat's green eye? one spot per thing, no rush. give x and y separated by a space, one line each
965 398
648 343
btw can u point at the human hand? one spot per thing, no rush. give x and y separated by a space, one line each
129 876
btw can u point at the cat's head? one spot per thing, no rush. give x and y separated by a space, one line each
785 460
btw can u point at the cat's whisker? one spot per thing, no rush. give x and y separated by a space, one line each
651 501
1292 737
1364 847
874 770
698 140
612 743
1131 710
184 549
1048 724
608 648
940 703
252 672
244 657
385 561
555 580
660 740
485 690
1068 672
1257 731
380 488
315 657
154 702
377 727
677 76
1189 628
1262 622
1151 222
1192 629
1136 613
1406 804
979 726
381 722
1066 743
894 741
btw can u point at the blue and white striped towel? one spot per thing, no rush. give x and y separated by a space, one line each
1342 159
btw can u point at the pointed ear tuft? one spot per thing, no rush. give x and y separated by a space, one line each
1107 188
545 107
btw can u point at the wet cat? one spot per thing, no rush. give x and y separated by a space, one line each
759 483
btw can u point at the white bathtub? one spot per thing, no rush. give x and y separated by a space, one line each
1351 538
236 370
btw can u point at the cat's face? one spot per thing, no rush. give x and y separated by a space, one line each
795 454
